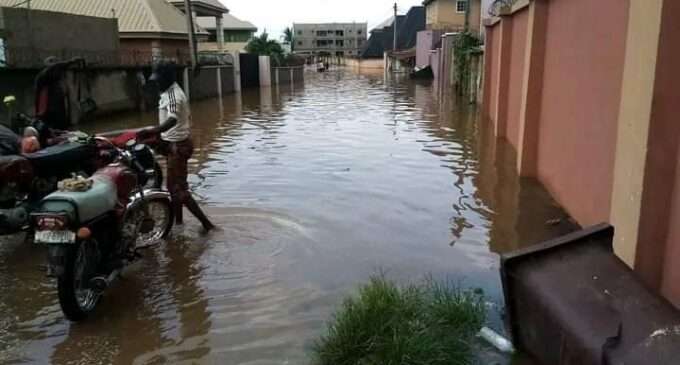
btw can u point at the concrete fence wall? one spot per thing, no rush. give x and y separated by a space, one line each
288 75
580 62
113 89
584 91
365 64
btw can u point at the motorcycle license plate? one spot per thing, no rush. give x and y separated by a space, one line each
55 237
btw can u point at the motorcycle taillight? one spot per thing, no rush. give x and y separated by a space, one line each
51 222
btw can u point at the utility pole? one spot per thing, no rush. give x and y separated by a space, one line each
190 29
395 29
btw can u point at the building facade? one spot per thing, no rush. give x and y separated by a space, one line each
334 39
449 15
235 33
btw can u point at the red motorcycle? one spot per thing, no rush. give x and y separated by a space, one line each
26 179
94 231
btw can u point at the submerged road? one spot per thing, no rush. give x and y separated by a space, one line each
316 188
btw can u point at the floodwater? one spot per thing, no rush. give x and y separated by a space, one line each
316 188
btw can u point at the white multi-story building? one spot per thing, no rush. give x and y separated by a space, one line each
333 39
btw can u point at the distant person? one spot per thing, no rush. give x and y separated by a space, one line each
51 102
176 144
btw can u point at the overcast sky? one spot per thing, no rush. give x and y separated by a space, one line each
275 15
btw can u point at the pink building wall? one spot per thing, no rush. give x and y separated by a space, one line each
583 74
427 40
517 64
491 72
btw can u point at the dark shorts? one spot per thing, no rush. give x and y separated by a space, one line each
178 154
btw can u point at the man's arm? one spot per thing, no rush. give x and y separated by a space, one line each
166 126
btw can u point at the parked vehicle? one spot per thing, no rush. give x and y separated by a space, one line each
26 179
93 234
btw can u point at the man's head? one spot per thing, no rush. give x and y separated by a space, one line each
164 74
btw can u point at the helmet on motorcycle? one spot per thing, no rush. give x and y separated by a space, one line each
164 74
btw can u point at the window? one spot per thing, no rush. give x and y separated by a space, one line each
299 32
461 6
299 43
359 31
340 33
321 33
339 43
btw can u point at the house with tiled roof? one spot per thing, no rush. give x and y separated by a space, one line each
147 28
235 32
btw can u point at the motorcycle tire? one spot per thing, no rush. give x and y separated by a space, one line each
162 230
73 309
171 215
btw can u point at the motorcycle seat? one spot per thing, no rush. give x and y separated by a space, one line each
101 198
62 159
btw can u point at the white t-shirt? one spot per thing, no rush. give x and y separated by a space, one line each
174 104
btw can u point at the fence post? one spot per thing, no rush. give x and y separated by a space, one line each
504 55
237 71
219 81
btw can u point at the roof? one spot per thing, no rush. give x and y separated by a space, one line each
382 39
214 5
229 22
134 16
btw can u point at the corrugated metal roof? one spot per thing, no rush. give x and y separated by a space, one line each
210 3
228 22
134 16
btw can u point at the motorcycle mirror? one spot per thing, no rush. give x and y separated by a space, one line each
131 143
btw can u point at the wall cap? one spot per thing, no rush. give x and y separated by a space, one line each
506 11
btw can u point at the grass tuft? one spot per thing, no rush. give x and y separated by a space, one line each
428 324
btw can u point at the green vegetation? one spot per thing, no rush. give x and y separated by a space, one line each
264 46
289 37
466 49
429 324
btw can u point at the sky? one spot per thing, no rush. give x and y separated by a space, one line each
275 15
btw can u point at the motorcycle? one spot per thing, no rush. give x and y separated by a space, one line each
26 179
93 234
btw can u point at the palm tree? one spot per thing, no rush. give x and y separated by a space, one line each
289 37
264 46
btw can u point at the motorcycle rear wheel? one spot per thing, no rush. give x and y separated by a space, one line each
76 299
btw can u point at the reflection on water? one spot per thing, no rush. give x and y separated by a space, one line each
316 188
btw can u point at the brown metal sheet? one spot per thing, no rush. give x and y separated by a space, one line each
572 301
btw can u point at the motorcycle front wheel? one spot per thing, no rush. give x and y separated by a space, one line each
76 298
161 217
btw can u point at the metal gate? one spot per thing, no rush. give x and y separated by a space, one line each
250 70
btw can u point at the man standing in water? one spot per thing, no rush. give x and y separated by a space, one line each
176 144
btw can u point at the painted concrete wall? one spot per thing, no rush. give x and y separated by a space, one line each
517 63
491 61
581 93
442 15
427 40
662 181
369 63
34 35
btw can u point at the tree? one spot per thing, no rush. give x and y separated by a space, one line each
264 46
289 37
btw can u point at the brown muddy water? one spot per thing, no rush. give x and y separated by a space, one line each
316 188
